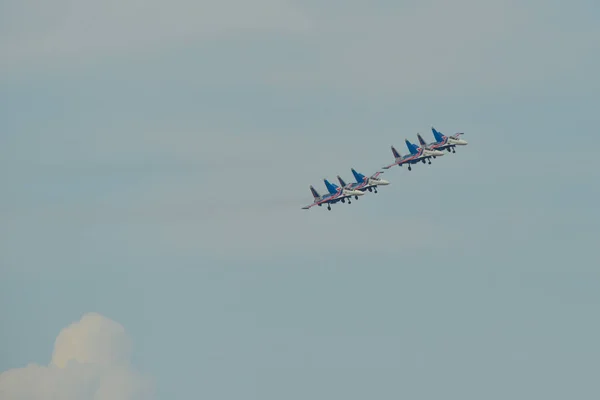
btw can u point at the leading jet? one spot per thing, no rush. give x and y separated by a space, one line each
443 142
416 154
364 183
335 194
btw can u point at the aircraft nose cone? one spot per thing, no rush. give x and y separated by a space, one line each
359 193
383 182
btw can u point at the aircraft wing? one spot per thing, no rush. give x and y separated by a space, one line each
341 196
326 200
366 187
457 135
375 175
355 186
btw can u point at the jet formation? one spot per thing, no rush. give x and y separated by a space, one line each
423 153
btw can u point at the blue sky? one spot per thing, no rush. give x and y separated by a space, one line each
154 160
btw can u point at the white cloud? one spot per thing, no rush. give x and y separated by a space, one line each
95 339
90 361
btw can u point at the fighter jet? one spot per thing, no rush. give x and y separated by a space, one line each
416 154
335 194
363 183
443 142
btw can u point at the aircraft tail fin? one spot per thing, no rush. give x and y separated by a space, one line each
358 176
332 188
438 135
314 192
421 140
396 153
411 147
341 181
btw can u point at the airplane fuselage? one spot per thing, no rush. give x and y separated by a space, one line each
368 184
341 194
420 156
447 144
352 192
457 142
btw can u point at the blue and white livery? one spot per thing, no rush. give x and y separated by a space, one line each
364 183
416 154
443 142
335 195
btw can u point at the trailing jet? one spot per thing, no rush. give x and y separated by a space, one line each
363 183
416 154
335 194
443 142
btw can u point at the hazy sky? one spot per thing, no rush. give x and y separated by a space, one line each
155 156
